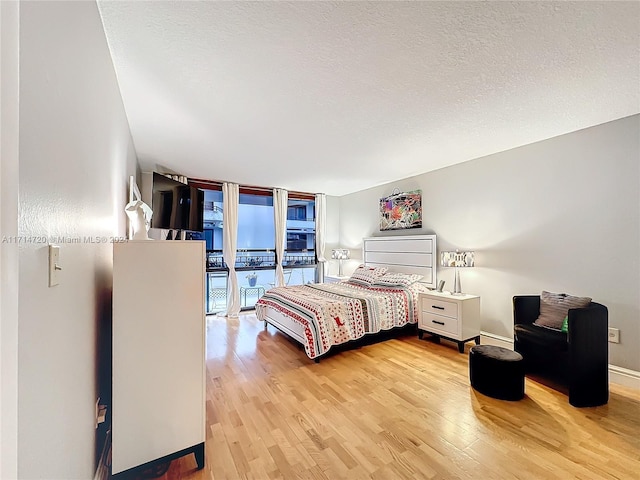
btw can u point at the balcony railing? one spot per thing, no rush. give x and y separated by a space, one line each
299 270
257 259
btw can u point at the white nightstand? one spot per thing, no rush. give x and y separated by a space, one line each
335 279
454 317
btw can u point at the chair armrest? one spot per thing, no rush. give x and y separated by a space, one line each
588 355
588 328
526 309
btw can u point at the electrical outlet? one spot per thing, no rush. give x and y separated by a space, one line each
614 335
102 414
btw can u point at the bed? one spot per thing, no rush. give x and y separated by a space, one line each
320 316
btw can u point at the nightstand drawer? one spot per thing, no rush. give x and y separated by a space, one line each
439 307
438 322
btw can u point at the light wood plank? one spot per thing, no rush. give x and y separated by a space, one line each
402 408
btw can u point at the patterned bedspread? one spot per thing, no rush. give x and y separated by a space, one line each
335 313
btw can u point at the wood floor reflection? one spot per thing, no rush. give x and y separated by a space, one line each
402 408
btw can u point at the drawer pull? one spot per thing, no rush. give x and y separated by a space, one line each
439 323
436 306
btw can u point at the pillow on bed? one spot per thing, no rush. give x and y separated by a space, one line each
366 275
393 279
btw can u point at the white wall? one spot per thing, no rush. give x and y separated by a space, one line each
9 87
561 214
75 154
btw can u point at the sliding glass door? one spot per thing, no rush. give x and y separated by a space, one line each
255 256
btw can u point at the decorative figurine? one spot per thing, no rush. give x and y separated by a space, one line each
139 214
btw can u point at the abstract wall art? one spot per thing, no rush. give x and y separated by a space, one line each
401 210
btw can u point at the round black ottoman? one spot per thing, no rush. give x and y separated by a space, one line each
496 372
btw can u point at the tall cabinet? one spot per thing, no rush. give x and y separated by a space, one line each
158 410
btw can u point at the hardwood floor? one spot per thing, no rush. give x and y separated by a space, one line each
402 408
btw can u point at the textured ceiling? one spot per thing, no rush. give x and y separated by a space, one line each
337 97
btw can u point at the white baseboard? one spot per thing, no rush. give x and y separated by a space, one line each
624 376
487 338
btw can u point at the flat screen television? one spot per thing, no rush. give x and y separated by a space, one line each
176 206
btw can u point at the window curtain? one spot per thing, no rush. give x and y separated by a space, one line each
231 196
321 228
280 203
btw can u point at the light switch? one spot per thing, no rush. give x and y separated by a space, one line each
54 265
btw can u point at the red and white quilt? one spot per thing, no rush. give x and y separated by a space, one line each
335 313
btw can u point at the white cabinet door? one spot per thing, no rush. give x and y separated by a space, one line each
158 350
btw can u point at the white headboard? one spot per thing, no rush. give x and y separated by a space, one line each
405 254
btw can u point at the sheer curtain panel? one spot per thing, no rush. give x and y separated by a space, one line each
321 228
231 196
280 202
